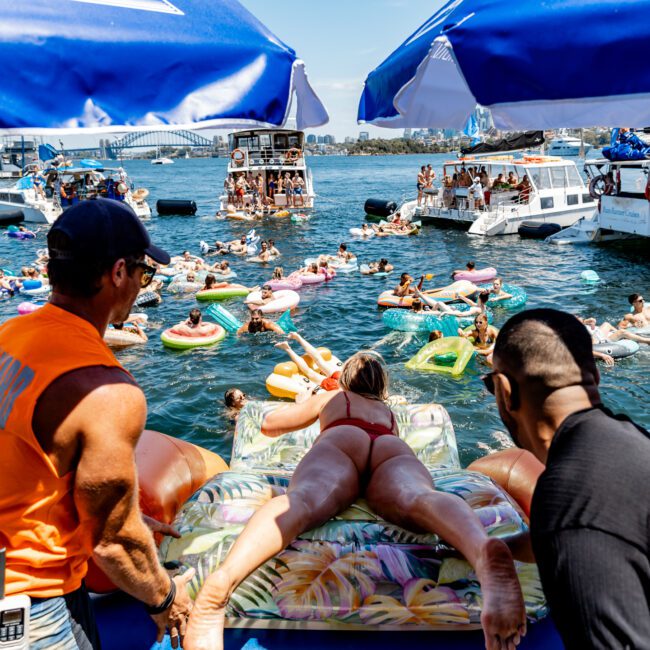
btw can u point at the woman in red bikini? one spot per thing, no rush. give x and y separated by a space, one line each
359 453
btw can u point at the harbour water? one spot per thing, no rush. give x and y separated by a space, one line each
185 389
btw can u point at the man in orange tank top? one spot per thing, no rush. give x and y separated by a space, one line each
70 417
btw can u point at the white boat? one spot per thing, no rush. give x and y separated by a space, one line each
567 146
622 190
162 161
557 195
62 188
271 153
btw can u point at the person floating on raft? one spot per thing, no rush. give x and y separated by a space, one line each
194 326
328 373
257 323
359 453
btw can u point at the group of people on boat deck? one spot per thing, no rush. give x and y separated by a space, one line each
480 187
244 189
426 176
72 416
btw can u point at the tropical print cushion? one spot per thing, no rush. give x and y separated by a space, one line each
354 570
426 428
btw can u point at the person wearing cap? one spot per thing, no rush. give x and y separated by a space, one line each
478 192
69 423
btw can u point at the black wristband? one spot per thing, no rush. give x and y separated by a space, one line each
166 604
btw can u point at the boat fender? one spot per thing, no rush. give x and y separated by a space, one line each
515 470
169 472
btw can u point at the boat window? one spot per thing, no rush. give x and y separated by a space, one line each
294 141
559 177
4 196
546 202
16 198
586 198
265 140
572 199
281 142
540 177
574 176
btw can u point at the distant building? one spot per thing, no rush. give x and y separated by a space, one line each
363 136
321 139
329 139
349 140
311 139
407 134
450 133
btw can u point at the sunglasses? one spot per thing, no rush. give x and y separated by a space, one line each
148 272
639 300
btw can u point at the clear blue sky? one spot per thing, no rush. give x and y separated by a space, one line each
341 41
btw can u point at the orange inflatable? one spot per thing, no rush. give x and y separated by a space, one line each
515 470
169 472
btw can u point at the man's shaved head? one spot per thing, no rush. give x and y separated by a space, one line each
547 348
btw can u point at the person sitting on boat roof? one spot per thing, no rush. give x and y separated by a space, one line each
298 188
524 188
194 326
288 189
257 323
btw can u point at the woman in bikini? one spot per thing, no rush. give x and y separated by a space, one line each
483 336
359 453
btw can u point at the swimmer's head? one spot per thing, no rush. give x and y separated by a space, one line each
234 398
267 292
278 273
635 299
364 373
195 316
190 276
210 280
435 335
404 278
416 304
483 297
497 284
470 266
480 321
343 248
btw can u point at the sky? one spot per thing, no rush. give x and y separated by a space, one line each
340 41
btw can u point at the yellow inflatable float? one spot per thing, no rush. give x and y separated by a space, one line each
287 381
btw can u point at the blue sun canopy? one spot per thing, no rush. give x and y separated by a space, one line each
535 65
118 65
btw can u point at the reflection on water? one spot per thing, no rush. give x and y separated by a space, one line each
185 389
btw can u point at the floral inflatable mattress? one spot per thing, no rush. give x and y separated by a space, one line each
356 570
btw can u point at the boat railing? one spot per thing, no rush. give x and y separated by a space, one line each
267 157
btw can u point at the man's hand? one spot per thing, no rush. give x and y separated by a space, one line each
175 618
156 526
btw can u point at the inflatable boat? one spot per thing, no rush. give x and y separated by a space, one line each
354 582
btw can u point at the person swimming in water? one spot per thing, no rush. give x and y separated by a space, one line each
257 323
194 326
359 453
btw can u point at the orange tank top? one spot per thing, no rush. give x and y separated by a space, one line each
47 548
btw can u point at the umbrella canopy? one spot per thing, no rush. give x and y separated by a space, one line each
119 65
535 65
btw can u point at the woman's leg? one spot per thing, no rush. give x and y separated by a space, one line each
325 482
300 362
326 366
401 490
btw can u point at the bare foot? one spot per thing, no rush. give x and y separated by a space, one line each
294 336
206 622
504 616
283 345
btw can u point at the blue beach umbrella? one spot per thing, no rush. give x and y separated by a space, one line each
120 65
535 65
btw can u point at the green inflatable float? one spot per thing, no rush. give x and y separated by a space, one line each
448 355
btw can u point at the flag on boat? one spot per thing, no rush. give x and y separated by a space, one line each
535 65
120 65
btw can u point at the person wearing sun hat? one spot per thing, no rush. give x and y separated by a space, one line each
70 418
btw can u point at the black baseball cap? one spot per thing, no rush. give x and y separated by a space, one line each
104 229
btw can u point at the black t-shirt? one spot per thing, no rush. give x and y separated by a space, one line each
590 528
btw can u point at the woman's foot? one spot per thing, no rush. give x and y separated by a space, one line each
206 622
283 345
504 615
294 336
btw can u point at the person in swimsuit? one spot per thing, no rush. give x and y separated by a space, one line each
483 336
257 323
288 189
328 373
194 326
497 293
421 183
640 314
359 453
272 186
404 287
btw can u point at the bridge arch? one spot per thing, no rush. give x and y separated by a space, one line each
176 138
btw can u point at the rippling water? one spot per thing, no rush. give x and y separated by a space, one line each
185 389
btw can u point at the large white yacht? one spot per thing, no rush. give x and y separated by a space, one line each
557 194
58 189
273 153
622 190
567 146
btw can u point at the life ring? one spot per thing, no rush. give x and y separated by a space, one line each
293 154
597 186
238 157
121 188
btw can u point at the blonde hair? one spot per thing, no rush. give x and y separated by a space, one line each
364 373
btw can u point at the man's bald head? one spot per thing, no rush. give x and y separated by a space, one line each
546 348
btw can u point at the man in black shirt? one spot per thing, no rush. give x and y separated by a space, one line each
590 515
